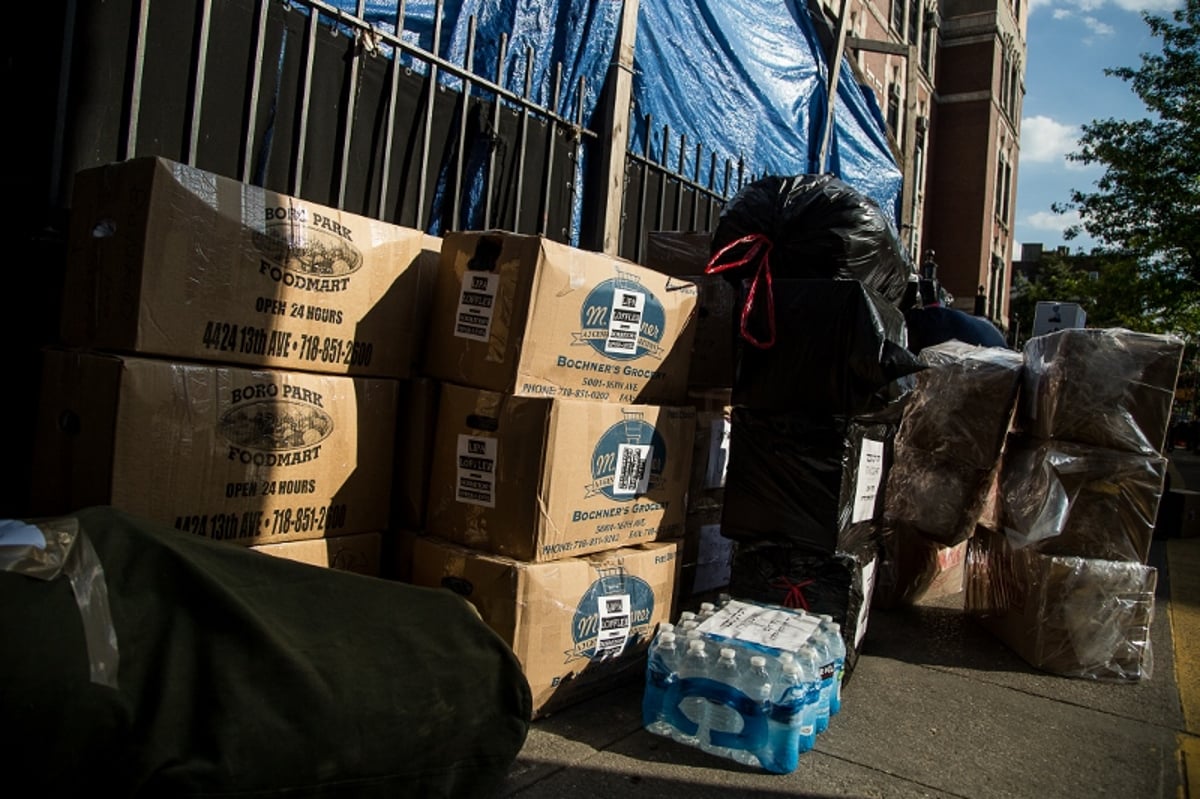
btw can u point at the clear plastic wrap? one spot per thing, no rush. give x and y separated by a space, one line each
913 568
1071 499
840 348
1076 617
950 439
1109 388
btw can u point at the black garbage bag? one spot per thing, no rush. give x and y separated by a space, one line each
938 324
806 226
152 662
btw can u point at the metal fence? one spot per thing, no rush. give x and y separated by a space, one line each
305 99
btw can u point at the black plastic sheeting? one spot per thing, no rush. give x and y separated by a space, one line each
840 348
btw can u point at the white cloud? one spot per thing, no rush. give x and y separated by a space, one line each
1063 13
1045 141
1065 8
1050 222
1153 6
1097 27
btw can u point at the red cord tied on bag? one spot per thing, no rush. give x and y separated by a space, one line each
793 596
758 249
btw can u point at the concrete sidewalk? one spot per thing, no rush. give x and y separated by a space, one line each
937 707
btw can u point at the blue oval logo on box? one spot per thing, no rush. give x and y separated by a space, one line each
622 320
628 459
613 614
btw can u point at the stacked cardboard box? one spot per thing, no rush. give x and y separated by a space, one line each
707 554
561 451
1066 583
232 357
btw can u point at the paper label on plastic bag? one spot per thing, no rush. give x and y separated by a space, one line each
633 470
778 628
868 581
615 624
625 322
718 454
866 485
714 562
476 304
475 475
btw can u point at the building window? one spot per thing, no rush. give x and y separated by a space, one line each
1007 192
928 37
914 20
898 7
999 185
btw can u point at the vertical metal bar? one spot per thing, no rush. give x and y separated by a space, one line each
679 183
60 112
260 36
728 172
351 98
201 65
712 193
641 211
492 145
741 171
456 216
524 138
576 160
695 188
423 176
310 44
135 88
389 135
551 133
835 64
662 183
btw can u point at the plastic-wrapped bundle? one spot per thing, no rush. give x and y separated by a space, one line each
913 568
840 584
1071 499
1109 388
818 227
950 439
840 348
801 479
1076 617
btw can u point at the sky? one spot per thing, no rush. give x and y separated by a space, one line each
1069 45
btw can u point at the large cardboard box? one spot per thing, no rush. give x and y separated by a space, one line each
577 625
1076 617
541 479
528 316
358 553
250 456
169 260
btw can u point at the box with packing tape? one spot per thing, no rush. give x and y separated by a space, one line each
528 316
169 260
242 455
540 479
577 625
358 553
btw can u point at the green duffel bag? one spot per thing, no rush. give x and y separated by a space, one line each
137 660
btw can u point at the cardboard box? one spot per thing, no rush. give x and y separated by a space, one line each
914 569
541 479
1076 617
250 456
685 255
416 426
359 553
576 625
531 317
169 260
710 450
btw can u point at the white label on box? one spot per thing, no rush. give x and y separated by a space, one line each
718 454
868 581
633 470
714 562
616 620
779 628
625 322
866 485
476 304
475 482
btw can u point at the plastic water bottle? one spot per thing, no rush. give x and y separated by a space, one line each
662 672
706 609
826 675
755 684
837 648
808 671
695 665
687 615
721 716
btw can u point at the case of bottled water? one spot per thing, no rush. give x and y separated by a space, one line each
748 681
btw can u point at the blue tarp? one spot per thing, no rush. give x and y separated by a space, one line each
746 79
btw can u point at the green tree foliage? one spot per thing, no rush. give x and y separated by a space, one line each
1147 203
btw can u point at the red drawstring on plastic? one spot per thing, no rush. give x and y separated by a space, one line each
759 249
793 592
